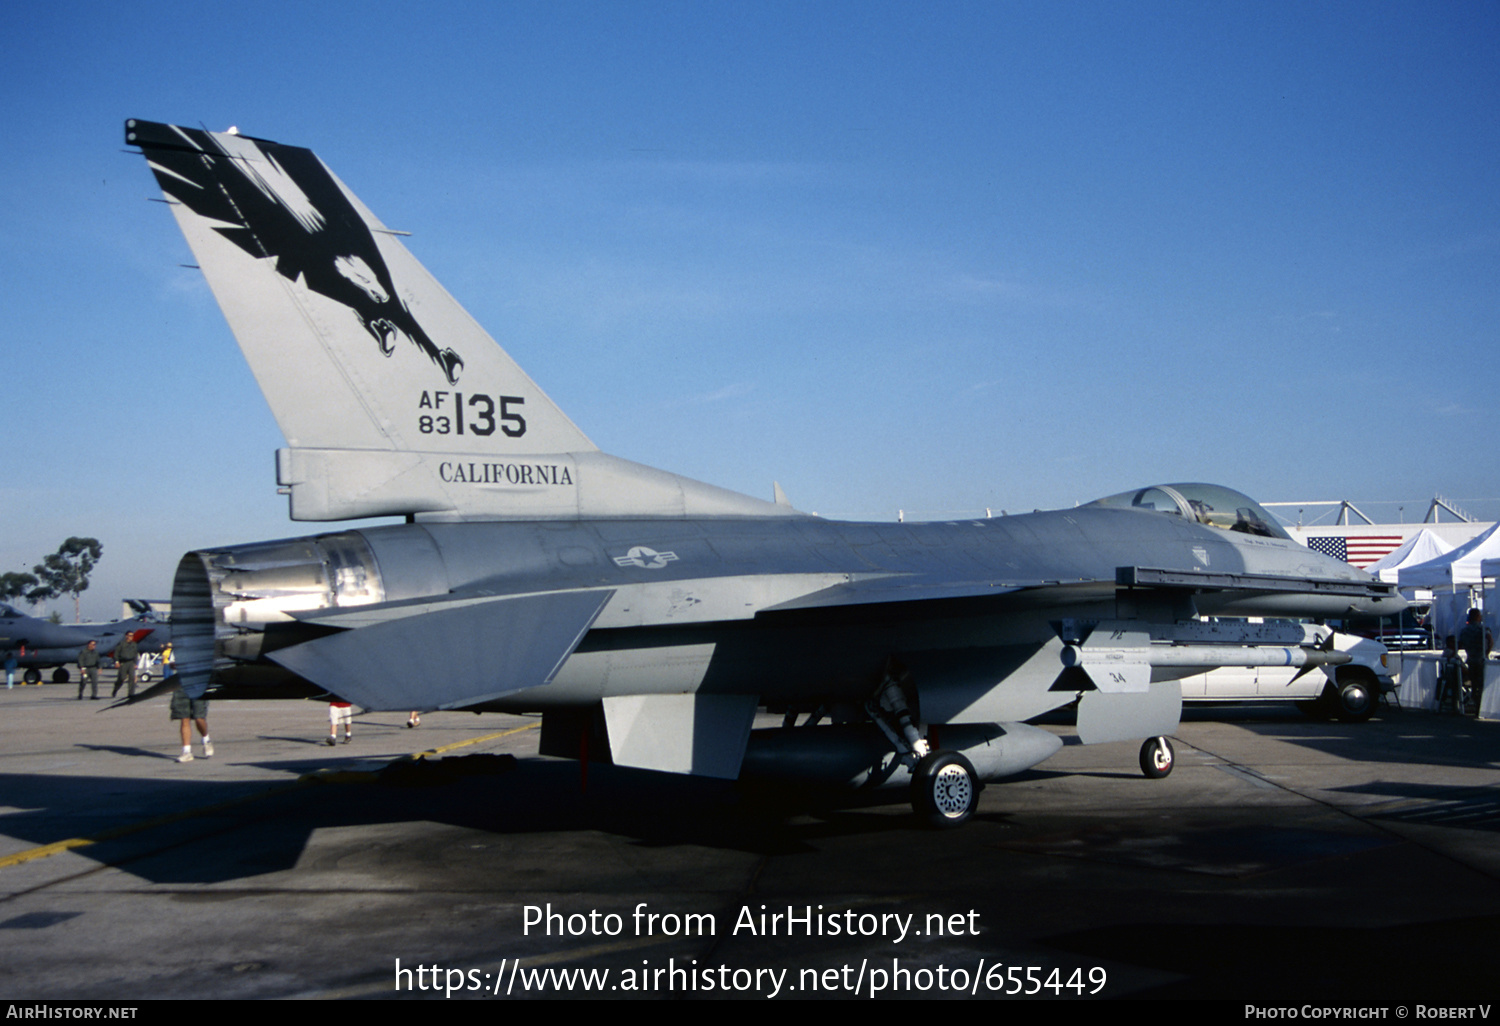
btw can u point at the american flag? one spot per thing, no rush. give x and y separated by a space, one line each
1360 550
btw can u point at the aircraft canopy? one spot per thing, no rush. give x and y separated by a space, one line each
1209 504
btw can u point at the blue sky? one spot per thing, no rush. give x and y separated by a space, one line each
933 257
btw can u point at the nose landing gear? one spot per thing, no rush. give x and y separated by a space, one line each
1157 757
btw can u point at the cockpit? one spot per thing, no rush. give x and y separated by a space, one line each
1213 505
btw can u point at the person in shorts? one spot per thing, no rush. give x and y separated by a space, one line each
340 713
188 711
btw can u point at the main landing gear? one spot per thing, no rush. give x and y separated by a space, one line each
944 787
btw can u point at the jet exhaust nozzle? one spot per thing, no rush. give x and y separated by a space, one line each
231 605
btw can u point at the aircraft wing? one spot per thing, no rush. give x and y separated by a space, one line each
1125 662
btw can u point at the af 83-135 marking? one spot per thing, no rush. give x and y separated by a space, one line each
448 416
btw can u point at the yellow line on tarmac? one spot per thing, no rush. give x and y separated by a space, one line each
475 741
131 828
307 778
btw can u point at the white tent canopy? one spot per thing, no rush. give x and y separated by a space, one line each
1421 547
1454 569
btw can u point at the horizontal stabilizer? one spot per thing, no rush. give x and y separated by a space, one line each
451 658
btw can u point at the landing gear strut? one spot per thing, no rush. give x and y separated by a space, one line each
944 786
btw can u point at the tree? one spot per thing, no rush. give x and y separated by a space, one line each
66 571
15 586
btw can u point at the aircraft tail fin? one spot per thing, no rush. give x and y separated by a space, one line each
392 398
353 342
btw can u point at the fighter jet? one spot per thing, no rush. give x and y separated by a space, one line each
649 617
43 645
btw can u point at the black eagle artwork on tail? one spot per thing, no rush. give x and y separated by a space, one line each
280 202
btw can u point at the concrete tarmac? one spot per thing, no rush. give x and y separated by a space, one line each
1283 861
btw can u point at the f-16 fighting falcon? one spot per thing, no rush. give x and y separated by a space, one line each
648 616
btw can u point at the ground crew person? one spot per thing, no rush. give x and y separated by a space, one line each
125 655
88 669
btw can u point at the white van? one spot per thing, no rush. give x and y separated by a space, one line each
1352 696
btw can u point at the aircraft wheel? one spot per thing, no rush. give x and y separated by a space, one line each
1157 757
60 676
944 789
1356 698
145 676
32 676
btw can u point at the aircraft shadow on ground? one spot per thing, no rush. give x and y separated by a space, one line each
234 830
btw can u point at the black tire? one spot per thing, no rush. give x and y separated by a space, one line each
1157 758
944 790
60 676
32 676
1355 697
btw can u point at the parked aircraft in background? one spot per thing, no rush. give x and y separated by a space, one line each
43 645
648 616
